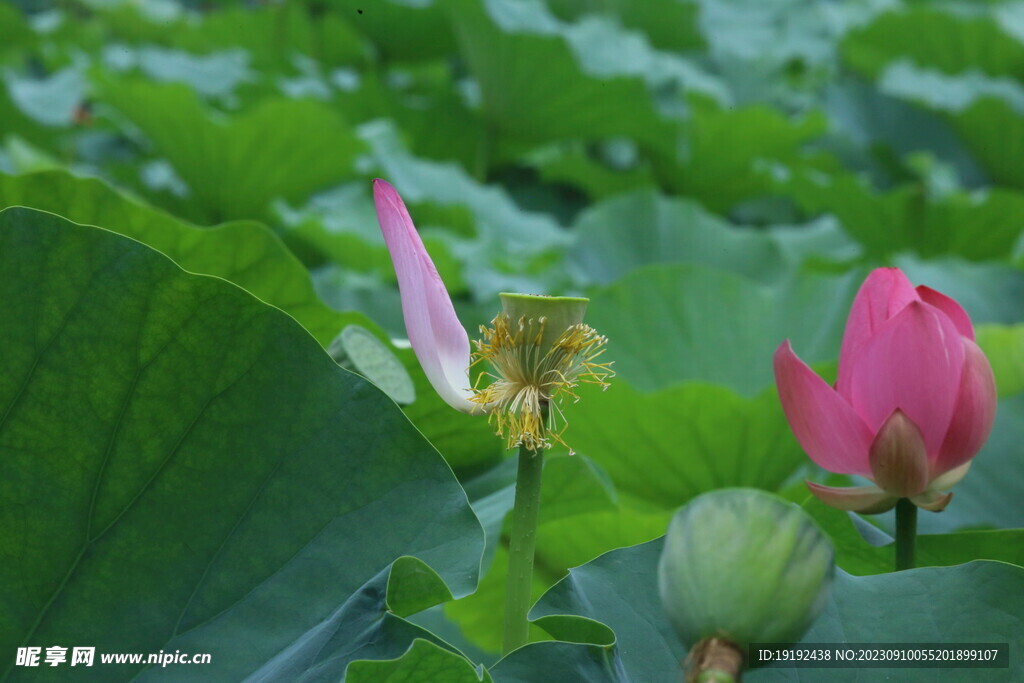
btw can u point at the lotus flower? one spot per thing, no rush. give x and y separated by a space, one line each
913 403
538 347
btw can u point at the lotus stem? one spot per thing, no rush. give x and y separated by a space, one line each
714 660
521 546
906 532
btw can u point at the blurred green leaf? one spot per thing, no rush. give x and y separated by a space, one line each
1004 347
979 226
669 24
984 499
402 30
666 230
220 474
947 40
532 87
727 154
994 132
574 165
511 249
235 167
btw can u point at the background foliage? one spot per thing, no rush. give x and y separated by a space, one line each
717 175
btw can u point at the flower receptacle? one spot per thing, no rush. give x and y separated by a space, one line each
559 312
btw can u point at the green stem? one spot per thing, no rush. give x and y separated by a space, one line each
520 549
906 531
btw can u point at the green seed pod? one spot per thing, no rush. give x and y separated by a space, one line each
559 312
744 566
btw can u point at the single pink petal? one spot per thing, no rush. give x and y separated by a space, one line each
885 292
899 461
948 480
866 500
974 413
932 500
438 338
950 307
826 426
913 363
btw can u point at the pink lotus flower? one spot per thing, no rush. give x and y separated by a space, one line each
913 403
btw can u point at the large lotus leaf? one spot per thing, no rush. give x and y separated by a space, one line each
251 256
534 89
167 440
975 602
368 626
234 167
943 39
668 446
672 323
561 661
666 230
243 252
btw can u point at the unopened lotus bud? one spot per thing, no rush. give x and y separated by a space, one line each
742 566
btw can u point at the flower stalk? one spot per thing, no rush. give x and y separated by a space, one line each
906 533
522 543
538 351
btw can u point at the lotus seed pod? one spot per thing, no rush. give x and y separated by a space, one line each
559 313
745 566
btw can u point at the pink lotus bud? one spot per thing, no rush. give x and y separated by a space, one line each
913 403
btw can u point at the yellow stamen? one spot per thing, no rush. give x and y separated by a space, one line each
529 382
